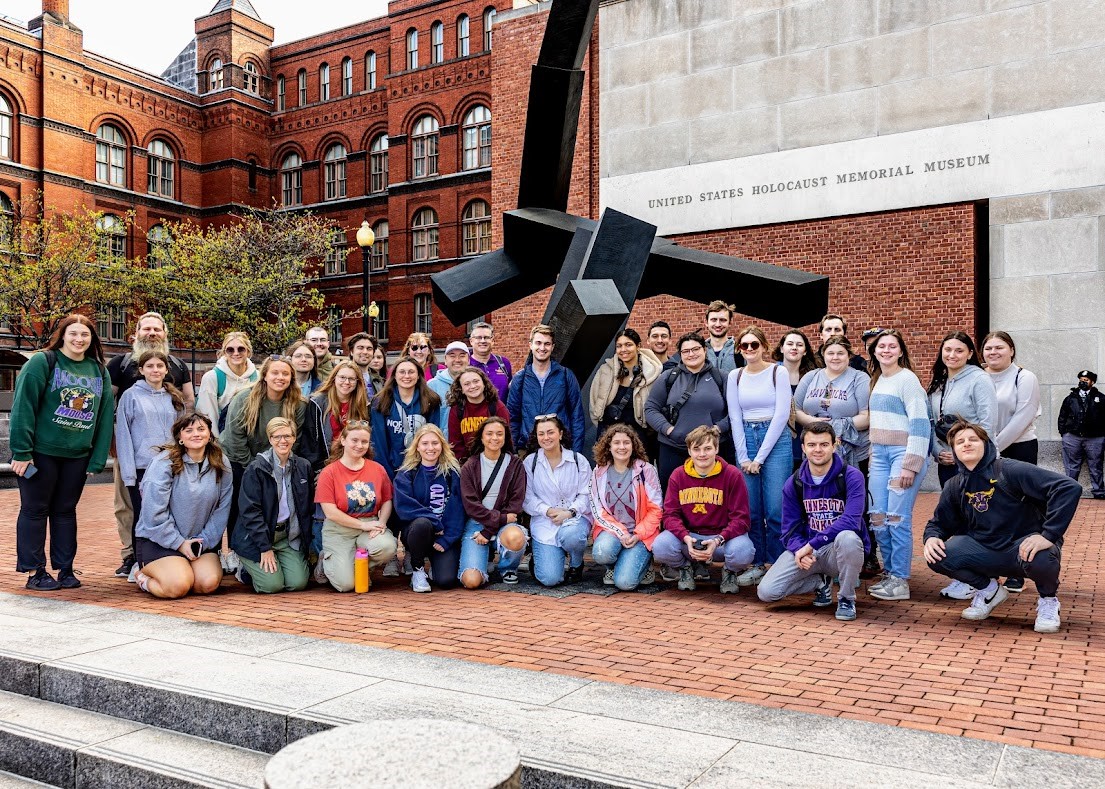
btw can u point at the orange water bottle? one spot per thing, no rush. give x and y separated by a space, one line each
361 581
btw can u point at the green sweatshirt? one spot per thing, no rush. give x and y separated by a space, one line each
240 447
69 416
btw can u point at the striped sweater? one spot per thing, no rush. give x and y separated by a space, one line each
900 417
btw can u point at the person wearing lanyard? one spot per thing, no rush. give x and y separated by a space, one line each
557 481
275 505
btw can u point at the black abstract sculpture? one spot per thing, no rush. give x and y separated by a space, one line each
599 269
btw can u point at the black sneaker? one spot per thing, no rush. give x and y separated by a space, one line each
67 580
510 577
124 568
42 581
1015 585
574 575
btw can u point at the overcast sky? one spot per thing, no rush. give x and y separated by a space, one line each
149 35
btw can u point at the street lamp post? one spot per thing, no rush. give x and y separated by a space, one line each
365 239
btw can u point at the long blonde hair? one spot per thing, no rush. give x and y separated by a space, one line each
292 401
446 463
358 399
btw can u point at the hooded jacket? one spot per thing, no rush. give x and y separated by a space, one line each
648 504
415 492
209 402
971 396
143 422
828 514
441 384
527 399
604 387
713 504
1083 418
186 506
258 506
389 436
706 405
512 493
1000 507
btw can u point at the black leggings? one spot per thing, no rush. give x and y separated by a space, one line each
418 535
1026 451
51 495
135 492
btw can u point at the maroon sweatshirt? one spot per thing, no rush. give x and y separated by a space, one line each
463 429
714 504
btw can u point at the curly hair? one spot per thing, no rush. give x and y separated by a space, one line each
213 454
456 396
477 443
603 457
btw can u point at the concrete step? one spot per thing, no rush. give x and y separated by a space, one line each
61 746
13 781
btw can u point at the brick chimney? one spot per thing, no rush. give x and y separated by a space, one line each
56 8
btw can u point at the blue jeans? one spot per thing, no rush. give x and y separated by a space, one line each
892 507
571 541
474 556
765 492
629 563
672 552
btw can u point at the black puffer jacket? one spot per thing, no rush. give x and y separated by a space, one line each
1083 418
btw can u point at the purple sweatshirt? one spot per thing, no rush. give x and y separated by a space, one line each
828 513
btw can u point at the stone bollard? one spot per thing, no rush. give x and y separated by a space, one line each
412 754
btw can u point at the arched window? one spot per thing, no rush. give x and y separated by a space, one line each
281 103
335 171
477 228
488 21
161 169
477 138
338 252
252 79
216 74
157 246
423 313
378 164
463 29
291 179
301 80
412 49
7 221
424 235
324 82
5 129
437 42
111 156
370 71
424 147
379 259
112 236
347 77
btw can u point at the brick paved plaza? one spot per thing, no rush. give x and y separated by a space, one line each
914 664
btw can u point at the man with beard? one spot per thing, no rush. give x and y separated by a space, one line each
150 334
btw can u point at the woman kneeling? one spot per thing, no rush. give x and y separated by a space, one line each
355 494
185 503
627 504
274 515
493 486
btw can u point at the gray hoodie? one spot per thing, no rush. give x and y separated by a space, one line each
187 506
970 395
143 422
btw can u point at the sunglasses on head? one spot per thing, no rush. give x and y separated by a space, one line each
276 357
543 417
358 424
750 346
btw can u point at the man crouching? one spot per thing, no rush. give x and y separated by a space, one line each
1000 517
823 528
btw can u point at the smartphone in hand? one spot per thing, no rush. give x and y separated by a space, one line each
699 545
30 472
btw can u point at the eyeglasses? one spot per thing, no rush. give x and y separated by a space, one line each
696 348
420 347
236 350
750 346
282 439
481 338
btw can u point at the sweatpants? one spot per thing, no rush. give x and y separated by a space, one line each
1077 450
340 543
418 535
843 558
975 564
49 498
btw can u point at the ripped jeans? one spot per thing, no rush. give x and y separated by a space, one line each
892 507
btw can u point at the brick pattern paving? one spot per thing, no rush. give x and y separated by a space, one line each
914 664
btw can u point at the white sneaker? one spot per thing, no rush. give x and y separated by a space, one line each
608 579
232 562
391 569
133 574
1047 615
419 581
984 604
957 590
751 576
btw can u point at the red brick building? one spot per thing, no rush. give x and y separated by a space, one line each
387 121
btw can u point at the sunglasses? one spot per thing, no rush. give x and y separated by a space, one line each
358 424
542 417
236 350
276 357
420 347
750 346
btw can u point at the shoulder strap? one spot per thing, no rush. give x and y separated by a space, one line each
220 383
126 361
719 379
51 363
841 489
494 474
533 466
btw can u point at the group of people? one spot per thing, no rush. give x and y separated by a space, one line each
788 464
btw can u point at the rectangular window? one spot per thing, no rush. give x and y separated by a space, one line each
280 94
423 318
333 322
111 323
337 255
324 83
379 165
425 156
335 179
347 77
293 187
302 79
370 71
379 255
5 136
380 323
